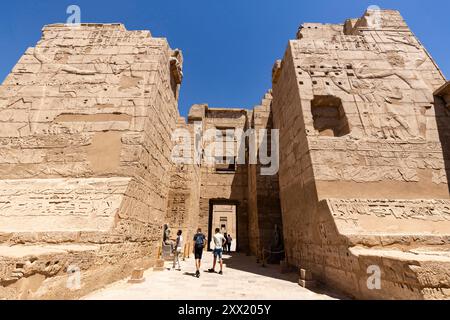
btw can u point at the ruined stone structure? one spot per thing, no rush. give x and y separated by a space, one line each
87 123
86 177
363 175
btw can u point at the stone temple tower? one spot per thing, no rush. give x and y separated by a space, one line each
364 162
85 141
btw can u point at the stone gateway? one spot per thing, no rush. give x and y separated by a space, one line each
360 201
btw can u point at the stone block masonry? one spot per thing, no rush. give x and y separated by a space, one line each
360 202
85 142
363 161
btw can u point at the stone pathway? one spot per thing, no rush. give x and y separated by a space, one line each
242 279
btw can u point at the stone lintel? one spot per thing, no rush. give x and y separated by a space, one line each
444 93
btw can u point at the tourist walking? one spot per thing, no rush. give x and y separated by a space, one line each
219 241
177 250
225 235
199 245
229 240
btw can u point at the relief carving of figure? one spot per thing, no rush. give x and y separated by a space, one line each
385 112
385 117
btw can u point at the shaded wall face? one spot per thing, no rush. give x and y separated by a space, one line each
442 111
298 196
263 191
184 196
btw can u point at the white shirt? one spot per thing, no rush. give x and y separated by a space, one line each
179 242
218 240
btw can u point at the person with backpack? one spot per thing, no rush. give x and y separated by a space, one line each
199 245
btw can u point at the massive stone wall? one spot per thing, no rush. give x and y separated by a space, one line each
87 178
361 158
183 210
263 190
85 145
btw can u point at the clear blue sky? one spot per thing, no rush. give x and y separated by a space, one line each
229 45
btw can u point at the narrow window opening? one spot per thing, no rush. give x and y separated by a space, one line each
329 116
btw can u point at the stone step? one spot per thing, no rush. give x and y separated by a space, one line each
307 284
64 271
21 261
421 272
137 276
306 275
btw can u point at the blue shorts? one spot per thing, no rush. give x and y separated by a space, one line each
218 253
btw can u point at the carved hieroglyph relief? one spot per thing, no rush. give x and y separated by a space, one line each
60 204
430 210
390 93
59 61
394 149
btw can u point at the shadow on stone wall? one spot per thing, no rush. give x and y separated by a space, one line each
443 126
264 199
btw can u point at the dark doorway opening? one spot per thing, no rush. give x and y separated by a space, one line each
223 215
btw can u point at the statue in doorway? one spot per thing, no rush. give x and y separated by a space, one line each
166 237
276 247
